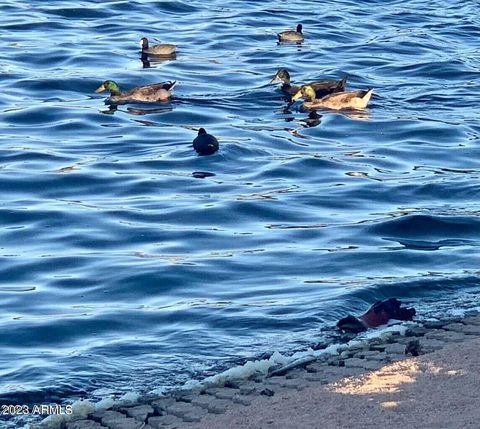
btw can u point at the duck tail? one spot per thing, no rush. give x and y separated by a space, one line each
367 95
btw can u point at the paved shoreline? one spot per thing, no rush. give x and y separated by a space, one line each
372 382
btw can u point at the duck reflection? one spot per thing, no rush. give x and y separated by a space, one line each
289 117
149 59
139 111
112 108
312 120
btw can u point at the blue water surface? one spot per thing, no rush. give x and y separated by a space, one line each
120 270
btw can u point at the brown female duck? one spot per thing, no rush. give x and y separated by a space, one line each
295 36
321 87
356 100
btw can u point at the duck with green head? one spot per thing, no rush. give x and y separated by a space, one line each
154 93
355 100
321 87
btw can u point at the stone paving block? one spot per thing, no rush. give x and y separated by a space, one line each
395 348
317 377
218 406
336 361
347 354
84 424
363 353
122 423
243 399
160 405
186 412
463 329
472 320
379 347
332 373
109 418
354 362
140 412
416 331
315 366
295 373
248 388
222 393
202 401
266 391
395 357
185 395
363 363
341 372
434 324
275 381
428 345
295 383
450 336
403 340
372 355
165 422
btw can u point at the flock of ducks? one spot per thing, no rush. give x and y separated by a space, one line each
320 94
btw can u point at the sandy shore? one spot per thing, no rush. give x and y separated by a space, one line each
368 383
437 390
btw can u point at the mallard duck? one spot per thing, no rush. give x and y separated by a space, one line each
291 35
141 94
321 87
356 100
205 144
162 49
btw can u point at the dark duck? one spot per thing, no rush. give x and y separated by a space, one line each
204 143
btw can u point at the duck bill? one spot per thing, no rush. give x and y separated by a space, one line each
101 88
275 79
297 95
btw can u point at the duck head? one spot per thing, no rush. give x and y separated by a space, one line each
201 131
109 85
306 92
144 43
299 28
281 76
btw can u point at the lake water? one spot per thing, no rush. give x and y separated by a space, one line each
121 271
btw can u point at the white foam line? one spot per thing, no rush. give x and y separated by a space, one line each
81 408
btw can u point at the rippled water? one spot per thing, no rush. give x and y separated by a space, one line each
120 270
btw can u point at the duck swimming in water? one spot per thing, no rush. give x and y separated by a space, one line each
204 143
141 94
321 87
356 100
291 35
162 49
